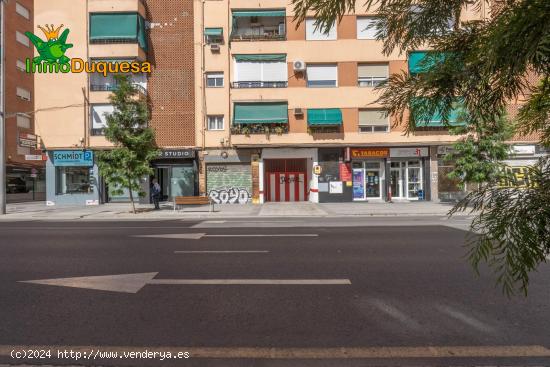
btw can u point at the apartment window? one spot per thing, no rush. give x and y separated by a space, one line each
23 150
370 75
22 39
118 28
261 71
99 113
23 121
23 93
314 33
366 28
322 75
20 65
21 10
213 35
373 121
215 122
214 80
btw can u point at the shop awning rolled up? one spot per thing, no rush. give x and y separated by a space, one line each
324 117
213 31
261 113
258 13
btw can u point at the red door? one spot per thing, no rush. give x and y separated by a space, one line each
286 180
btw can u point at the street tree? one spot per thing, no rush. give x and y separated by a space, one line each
484 65
128 162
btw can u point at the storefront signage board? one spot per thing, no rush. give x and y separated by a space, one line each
174 154
317 170
73 158
408 152
362 153
523 149
27 140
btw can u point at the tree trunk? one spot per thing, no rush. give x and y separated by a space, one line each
132 198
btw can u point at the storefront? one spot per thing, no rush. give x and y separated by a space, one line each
176 171
408 173
368 173
72 178
229 176
25 184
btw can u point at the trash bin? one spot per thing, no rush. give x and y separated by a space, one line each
420 194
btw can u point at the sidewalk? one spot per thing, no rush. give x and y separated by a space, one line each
39 211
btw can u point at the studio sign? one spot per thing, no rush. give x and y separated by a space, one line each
180 153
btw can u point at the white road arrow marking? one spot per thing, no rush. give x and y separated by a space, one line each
132 283
198 236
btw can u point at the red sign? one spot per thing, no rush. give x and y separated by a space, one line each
370 153
345 171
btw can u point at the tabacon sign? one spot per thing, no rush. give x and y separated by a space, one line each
52 58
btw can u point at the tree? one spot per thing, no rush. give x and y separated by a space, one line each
486 65
134 142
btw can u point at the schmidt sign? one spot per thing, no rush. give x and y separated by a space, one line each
73 158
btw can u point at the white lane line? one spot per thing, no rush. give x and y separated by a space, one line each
198 236
501 351
182 236
261 235
222 252
468 320
395 314
251 281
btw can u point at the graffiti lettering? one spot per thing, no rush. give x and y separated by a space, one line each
216 168
292 179
230 195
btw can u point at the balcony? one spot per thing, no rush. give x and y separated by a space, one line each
259 84
99 83
261 25
118 28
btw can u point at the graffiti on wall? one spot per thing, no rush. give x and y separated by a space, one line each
517 177
230 195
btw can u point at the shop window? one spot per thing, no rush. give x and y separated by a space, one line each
73 180
214 80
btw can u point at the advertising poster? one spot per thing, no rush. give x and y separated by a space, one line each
358 184
336 187
345 171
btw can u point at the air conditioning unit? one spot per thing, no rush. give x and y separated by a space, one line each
214 47
298 112
299 65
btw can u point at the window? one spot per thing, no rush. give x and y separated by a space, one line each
258 24
20 65
213 35
23 150
373 121
215 122
21 38
314 33
23 93
118 28
99 114
214 80
260 71
23 121
21 10
366 28
322 75
73 180
370 75
98 82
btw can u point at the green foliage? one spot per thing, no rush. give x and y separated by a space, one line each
134 142
487 65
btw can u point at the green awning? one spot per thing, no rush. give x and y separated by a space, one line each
260 113
421 113
261 57
258 13
324 116
213 31
142 35
422 61
104 26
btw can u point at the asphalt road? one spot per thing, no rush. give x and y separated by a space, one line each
357 296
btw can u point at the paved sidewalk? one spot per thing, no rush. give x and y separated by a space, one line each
39 211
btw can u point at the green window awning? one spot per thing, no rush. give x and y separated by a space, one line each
213 31
118 26
258 13
422 61
261 57
260 113
324 116
422 117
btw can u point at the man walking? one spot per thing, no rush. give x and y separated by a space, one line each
155 193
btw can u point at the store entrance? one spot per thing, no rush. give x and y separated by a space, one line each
406 179
162 175
367 180
175 181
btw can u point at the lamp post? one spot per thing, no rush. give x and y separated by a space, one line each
2 109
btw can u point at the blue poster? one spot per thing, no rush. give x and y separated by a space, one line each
358 184
65 158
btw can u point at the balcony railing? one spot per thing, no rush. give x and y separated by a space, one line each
254 35
266 129
107 87
259 84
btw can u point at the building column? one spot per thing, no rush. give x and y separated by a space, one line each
256 179
434 179
261 181
202 174
314 183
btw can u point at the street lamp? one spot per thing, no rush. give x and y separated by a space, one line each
2 109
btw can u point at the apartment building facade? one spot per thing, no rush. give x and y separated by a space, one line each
289 113
72 108
25 179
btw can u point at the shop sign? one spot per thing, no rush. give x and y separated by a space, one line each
35 157
408 152
523 149
73 158
27 140
317 169
175 154
335 187
345 171
370 153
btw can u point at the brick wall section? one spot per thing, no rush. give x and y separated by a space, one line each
17 78
171 83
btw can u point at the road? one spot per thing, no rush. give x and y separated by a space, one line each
293 292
